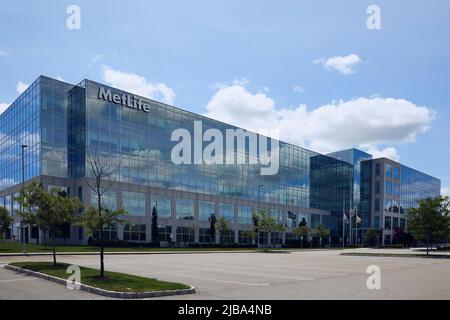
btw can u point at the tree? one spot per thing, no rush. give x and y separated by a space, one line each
92 221
100 181
222 226
399 236
370 237
303 223
155 229
267 223
322 232
47 209
5 220
256 218
212 227
430 222
301 231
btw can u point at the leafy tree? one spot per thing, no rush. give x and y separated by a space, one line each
322 232
47 209
5 220
399 236
255 219
267 223
212 227
370 237
430 222
222 226
155 229
301 231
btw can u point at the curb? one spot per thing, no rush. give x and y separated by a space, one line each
31 254
102 292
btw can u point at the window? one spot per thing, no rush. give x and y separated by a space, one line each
165 233
227 236
134 232
402 223
395 223
388 170
163 205
185 234
204 235
205 210
245 215
185 209
276 238
377 187
377 169
226 210
387 205
108 200
388 188
396 173
245 237
396 189
109 233
377 205
387 222
376 222
134 203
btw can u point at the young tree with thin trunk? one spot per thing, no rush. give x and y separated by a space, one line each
100 179
222 226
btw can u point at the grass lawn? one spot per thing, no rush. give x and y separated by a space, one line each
7 247
113 281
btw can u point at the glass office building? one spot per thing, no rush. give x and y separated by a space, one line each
60 125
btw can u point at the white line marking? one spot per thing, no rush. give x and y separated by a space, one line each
15 280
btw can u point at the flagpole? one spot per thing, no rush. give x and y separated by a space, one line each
343 220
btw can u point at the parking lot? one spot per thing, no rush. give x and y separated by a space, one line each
296 275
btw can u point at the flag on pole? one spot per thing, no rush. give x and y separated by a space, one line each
358 219
345 218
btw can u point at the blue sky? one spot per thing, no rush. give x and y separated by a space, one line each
312 68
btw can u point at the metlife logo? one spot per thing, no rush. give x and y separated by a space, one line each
125 100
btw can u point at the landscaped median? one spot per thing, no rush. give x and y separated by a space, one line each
115 285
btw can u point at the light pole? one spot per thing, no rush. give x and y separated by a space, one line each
259 192
24 146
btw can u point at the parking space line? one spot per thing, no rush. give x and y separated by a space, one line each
217 280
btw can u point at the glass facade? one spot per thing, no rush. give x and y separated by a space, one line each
62 123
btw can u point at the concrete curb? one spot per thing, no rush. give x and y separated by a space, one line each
32 254
102 292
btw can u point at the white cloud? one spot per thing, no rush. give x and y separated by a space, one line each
3 53
3 107
366 123
445 191
298 89
21 87
342 64
138 85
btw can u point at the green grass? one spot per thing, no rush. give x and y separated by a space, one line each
113 281
7 247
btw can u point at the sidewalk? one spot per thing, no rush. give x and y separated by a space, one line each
386 252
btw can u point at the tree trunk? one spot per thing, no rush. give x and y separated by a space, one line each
53 246
427 246
301 242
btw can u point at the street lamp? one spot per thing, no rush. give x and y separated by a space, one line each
259 192
24 146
